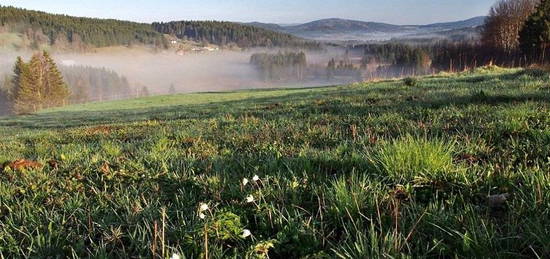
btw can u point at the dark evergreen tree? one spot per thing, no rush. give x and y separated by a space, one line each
144 92
535 35
27 93
6 89
172 89
56 91
331 69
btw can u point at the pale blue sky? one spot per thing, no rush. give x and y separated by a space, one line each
278 11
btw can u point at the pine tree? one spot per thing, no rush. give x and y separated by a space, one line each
172 89
331 68
5 96
27 96
535 35
8 87
56 91
144 92
17 71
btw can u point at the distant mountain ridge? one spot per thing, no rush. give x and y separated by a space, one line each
342 25
342 28
468 23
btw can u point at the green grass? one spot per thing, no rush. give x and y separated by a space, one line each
359 171
415 158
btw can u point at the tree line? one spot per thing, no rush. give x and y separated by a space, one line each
35 85
343 68
89 84
281 66
410 58
224 33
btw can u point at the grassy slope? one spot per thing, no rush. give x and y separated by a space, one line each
377 169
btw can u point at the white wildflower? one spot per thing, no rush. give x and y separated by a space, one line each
175 256
246 233
202 215
256 178
245 181
250 199
203 207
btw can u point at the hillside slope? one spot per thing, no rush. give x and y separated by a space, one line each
454 167
44 29
223 33
27 29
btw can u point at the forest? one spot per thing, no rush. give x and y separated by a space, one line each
282 66
88 84
79 33
54 29
223 33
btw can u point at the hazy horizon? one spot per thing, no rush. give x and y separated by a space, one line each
402 12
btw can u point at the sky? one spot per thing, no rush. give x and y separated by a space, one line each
273 11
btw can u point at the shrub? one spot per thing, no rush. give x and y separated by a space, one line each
536 72
410 81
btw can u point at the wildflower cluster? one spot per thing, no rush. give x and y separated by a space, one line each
256 182
203 207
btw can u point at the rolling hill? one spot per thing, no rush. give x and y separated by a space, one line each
342 25
342 29
27 29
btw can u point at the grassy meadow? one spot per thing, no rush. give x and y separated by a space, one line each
448 166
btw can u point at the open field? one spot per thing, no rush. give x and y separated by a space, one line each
455 166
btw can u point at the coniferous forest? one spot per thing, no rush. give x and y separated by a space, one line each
223 33
79 32
54 29
89 84
280 66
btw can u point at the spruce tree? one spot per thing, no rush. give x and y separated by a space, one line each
172 89
17 71
5 96
7 89
27 98
535 36
144 92
55 89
